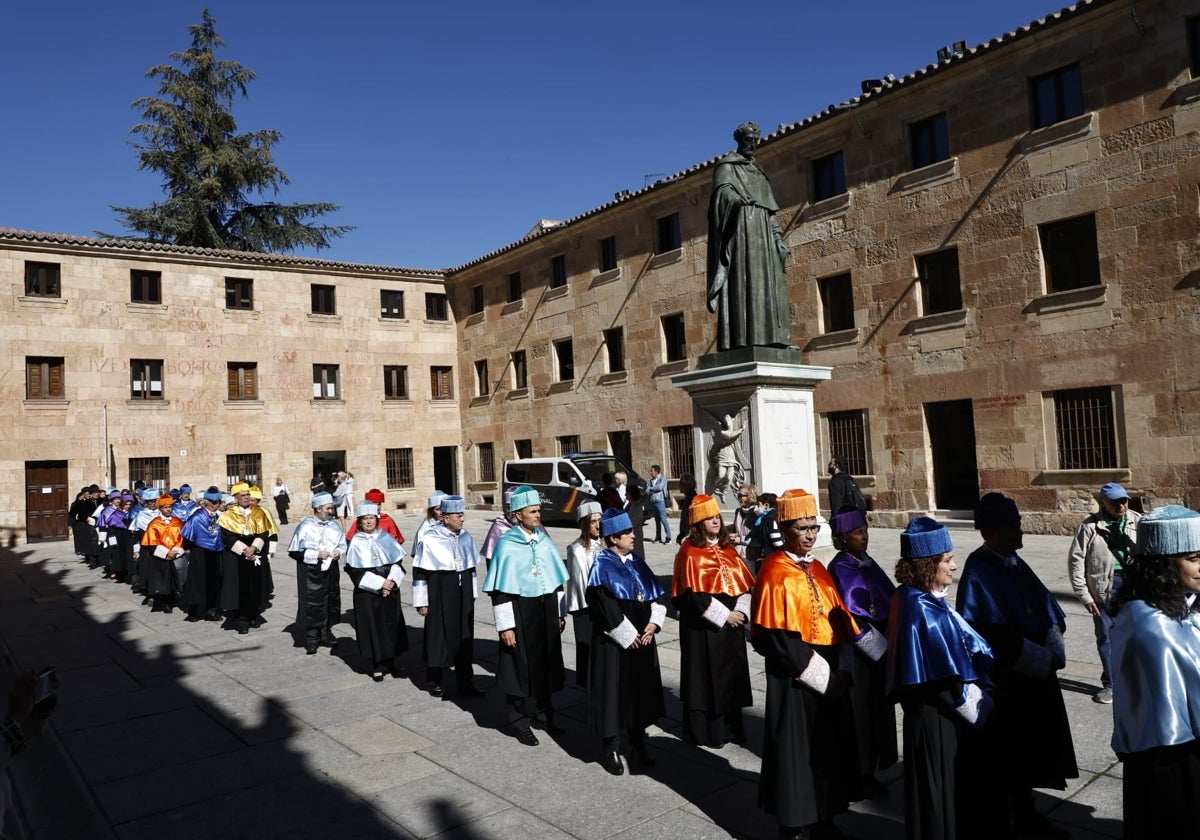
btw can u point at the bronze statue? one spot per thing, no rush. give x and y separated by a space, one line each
747 285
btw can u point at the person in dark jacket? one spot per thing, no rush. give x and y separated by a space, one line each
843 490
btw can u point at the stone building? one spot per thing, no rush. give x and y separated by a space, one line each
996 255
130 361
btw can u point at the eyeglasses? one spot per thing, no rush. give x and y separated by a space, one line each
807 529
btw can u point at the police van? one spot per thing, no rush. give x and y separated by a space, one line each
566 482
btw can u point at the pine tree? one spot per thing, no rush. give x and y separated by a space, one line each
215 179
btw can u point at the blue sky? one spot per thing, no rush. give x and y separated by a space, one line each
446 130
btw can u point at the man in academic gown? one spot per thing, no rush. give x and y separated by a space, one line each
185 505
1003 599
163 541
444 589
525 580
245 530
202 535
317 547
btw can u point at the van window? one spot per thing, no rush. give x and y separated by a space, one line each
593 469
567 474
517 472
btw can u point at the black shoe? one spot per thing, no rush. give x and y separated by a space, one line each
376 677
192 618
435 689
872 788
469 690
329 641
168 609
212 615
242 626
146 600
525 736
242 631
642 754
310 649
611 761
257 621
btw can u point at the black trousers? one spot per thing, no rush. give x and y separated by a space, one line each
322 600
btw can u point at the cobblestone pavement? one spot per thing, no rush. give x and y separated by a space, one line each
167 729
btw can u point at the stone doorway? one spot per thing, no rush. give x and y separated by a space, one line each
445 469
951 428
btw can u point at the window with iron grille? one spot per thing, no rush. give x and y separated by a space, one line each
246 467
829 176
243 380
1070 253
1085 429
523 448
324 300
564 354
514 287
395 382
929 140
558 271
680 454
477 299
145 286
42 279
848 440
435 307
668 235
487 461
941 290
674 338
399 463
44 378
325 382
837 302
482 386
239 293
146 379
519 371
155 472
608 253
391 303
568 443
614 345
1057 96
441 383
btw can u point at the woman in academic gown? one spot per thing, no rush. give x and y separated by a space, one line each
201 534
581 555
627 606
373 562
867 591
936 668
1156 685
711 590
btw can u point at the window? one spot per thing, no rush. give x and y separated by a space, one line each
441 383
435 307
680 456
848 440
391 303
325 382
837 303
1193 32
564 355
608 253
929 140
44 378
395 382
1070 254
620 444
146 379
487 461
614 344
399 463
514 287
674 341
558 271
482 387
568 443
239 293
246 467
1057 96
42 280
523 448
940 287
520 372
323 300
243 380
829 176
145 286
476 299
1085 429
668 235
156 472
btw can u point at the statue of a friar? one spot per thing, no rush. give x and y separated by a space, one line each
747 286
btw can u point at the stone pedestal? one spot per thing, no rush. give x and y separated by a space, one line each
754 422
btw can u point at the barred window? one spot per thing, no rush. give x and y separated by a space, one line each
246 467
680 454
487 462
568 443
156 472
399 468
848 440
1085 429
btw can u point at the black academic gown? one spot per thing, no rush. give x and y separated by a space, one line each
243 584
625 685
378 622
715 671
450 625
534 667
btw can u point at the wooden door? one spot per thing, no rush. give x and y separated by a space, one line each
46 501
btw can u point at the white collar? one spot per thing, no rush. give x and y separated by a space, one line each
806 558
940 593
529 538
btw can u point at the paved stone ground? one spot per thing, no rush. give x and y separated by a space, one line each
174 730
